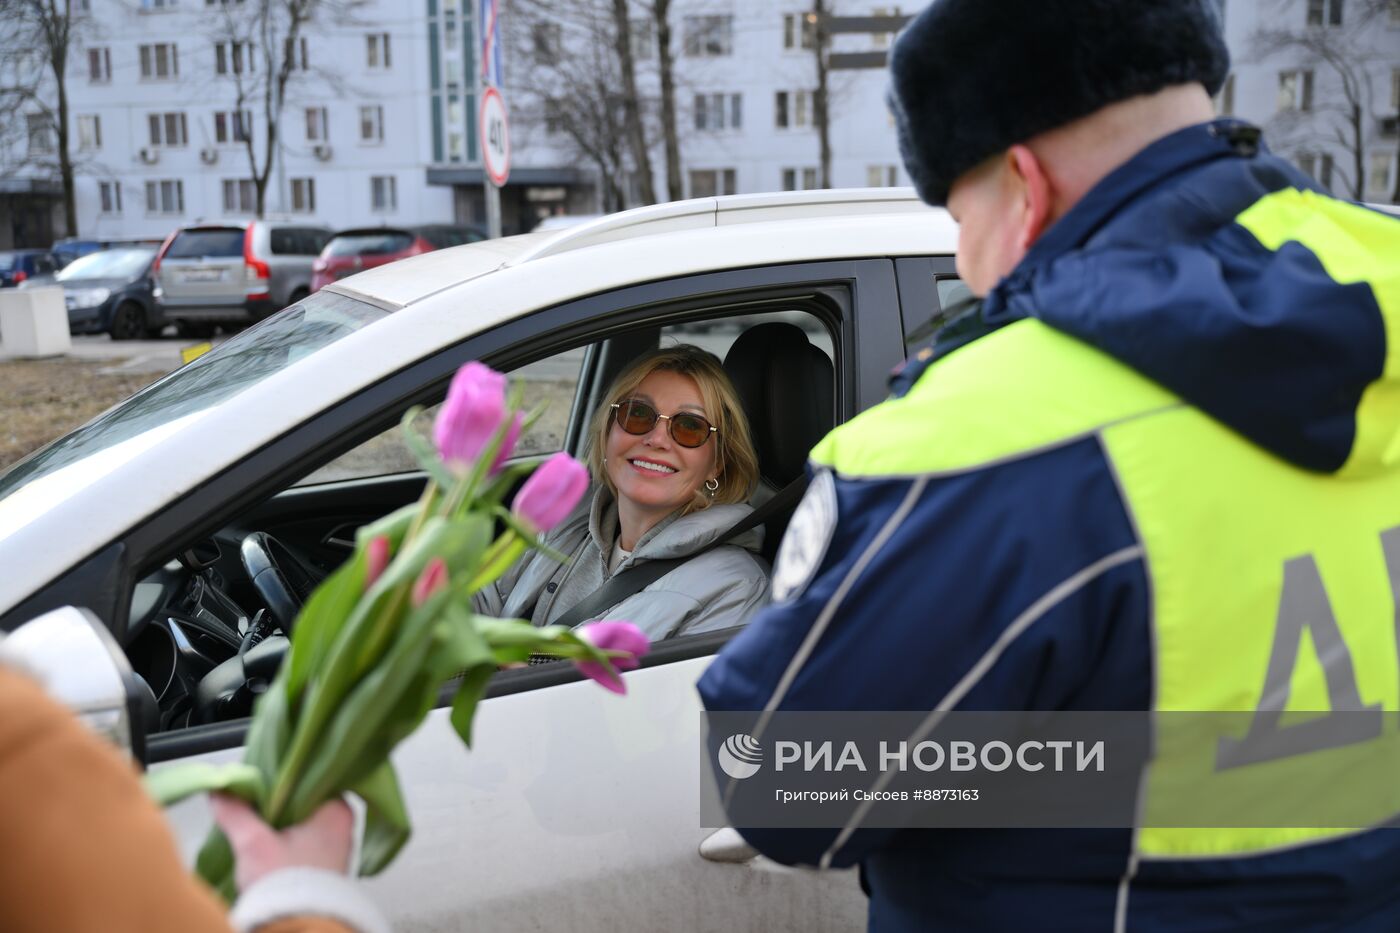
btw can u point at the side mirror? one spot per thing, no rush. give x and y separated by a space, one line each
81 665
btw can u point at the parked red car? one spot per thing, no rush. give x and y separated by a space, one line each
351 251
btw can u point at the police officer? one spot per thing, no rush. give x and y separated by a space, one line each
1157 469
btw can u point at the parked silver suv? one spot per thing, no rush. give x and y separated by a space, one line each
234 273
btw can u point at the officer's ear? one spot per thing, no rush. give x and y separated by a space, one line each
1035 192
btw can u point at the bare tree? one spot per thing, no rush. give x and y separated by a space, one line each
572 86
661 16
821 100
631 103
38 39
1348 54
264 53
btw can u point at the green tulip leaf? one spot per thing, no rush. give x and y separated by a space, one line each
386 819
424 451
468 695
171 785
215 865
392 526
321 620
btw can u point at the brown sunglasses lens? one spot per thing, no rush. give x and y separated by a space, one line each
636 417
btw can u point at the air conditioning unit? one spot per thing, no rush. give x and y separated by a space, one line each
322 152
1390 127
209 155
149 155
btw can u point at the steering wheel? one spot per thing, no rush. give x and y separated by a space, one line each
283 580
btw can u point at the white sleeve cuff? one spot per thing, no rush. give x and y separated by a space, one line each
298 892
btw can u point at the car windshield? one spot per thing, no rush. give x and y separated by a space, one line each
242 362
198 244
109 264
379 243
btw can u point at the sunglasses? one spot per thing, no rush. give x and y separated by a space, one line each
637 417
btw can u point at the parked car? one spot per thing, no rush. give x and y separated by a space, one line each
352 251
234 274
574 807
112 292
21 265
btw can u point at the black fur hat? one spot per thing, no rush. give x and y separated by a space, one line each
968 78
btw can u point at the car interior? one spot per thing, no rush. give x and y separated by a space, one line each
206 628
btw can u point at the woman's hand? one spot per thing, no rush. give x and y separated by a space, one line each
323 841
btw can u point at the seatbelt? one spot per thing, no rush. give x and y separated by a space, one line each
635 579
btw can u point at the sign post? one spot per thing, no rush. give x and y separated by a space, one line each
493 129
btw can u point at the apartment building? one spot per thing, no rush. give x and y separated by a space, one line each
1322 77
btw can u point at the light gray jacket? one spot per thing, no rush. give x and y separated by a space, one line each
719 589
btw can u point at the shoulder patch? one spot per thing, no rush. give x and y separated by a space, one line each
808 535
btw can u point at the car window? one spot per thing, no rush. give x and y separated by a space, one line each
108 264
370 244
43 265
7 261
296 241
552 381
206 244
718 335
245 360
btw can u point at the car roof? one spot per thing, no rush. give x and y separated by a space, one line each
781 222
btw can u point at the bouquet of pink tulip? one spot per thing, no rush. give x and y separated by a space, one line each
380 638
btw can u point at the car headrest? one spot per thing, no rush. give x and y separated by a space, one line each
788 391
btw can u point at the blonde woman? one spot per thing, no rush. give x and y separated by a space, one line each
672 464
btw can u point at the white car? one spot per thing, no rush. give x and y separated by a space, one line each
576 809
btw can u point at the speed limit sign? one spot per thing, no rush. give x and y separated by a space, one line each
495 137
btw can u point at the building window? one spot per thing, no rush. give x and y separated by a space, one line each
791 108
165 197
372 124
882 40
719 111
546 40
1324 12
1295 89
40 132
643 38
882 176
304 195
708 36
807 176
295 52
167 129
233 58
99 65
382 193
377 50
1225 100
240 196
707 183
1378 178
1395 12
90 132
1317 165
157 4
799 30
1395 90
111 195
553 117
318 128
233 126
160 61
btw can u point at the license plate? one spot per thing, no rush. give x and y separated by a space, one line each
203 275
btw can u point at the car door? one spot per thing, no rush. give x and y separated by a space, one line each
575 808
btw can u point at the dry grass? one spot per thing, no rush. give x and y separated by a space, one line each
44 399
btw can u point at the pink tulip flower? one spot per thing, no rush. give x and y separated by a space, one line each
376 559
551 492
474 410
432 579
613 636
